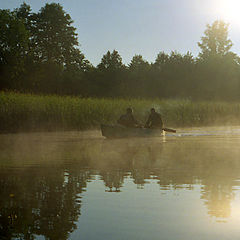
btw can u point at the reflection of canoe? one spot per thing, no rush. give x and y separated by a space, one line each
117 131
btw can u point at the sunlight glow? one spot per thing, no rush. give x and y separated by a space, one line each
228 10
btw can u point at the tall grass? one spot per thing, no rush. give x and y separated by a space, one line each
23 112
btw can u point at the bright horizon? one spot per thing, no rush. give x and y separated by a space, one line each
143 27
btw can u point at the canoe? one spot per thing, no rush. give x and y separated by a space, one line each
118 131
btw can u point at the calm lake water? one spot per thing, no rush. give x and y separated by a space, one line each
78 185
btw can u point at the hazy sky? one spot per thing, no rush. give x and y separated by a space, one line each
143 27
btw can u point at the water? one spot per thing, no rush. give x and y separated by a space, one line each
78 185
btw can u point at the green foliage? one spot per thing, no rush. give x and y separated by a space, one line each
138 63
215 41
138 78
44 44
55 37
39 54
14 41
21 112
109 75
111 61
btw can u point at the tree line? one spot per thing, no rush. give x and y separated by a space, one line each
39 54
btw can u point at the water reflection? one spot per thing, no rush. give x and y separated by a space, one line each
43 180
40 201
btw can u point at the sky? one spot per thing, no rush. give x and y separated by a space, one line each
143 27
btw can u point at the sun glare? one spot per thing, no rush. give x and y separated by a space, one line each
229 10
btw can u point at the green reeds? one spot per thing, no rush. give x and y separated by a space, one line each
27 112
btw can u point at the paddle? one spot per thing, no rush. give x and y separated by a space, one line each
169 130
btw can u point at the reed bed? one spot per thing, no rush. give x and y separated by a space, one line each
27 112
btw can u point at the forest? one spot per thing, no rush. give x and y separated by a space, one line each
40 54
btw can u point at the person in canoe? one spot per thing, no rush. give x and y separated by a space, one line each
154 120
128 120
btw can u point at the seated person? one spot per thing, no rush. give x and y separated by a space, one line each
154 120
128 120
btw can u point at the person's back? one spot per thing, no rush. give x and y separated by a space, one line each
128 119
154 120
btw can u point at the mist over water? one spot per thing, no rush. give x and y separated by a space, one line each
72 185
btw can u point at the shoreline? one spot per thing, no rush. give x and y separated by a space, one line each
30 113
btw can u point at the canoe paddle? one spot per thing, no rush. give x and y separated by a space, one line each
169 130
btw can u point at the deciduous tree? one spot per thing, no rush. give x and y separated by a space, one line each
14 40
215 40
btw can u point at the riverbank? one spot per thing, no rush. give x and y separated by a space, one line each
27 112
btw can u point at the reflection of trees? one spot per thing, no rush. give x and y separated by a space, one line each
218 198
139 176
121 158
46 200
40 201
217 190
214 166
176 166
113 179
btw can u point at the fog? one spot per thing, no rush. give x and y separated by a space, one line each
53 175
